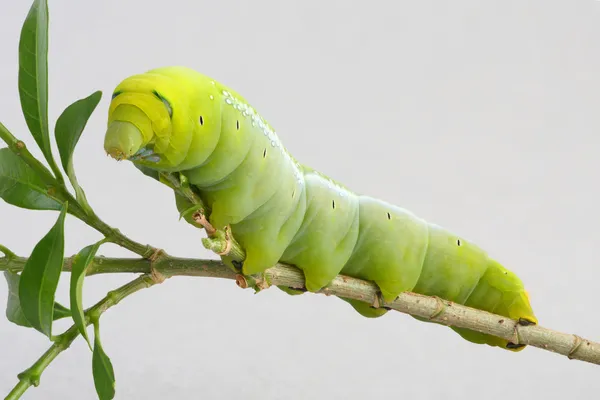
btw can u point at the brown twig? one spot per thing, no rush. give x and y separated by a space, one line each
448 313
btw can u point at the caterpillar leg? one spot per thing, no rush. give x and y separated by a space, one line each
500 292
290 291
365 309
459 271
390 248
327 235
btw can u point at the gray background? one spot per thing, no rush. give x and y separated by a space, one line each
479 116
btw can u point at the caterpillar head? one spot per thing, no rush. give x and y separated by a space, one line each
166 119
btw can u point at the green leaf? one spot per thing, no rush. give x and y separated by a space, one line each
78 269
68 130
33 77
102 369
21 186
14 313
40 276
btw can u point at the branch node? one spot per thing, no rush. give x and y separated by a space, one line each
516 341
263 283
378 302
156 253
149 252
576 345
241 281
94 315
439 309
29 377
227 247
220 243
112 297
156 276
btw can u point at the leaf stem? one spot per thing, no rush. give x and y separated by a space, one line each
113 235
9 255
31 376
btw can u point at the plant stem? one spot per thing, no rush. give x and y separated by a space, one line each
444 312
90 218
31 376
61 192
18 147
115 236
220 241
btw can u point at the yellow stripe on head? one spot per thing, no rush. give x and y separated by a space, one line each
137 101
167 119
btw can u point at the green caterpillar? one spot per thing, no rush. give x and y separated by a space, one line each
176 119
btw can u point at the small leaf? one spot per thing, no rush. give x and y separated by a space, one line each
40 276
68 130
78 269
33 75
14 313
21 187
102 369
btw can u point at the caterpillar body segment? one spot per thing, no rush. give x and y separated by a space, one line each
176 119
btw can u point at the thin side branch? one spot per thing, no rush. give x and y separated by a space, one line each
31 376
220 241
450 314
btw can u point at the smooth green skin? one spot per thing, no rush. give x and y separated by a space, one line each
282 211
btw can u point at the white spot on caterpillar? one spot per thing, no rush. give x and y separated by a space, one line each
257 120
212 97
